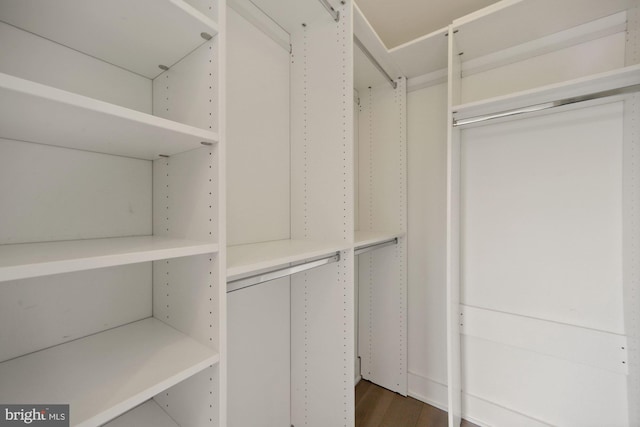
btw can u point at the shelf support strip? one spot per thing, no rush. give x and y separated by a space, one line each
245 282
546 105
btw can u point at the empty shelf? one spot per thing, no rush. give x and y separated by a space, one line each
104 375
135 35
611 80
149 414
38 113
246 259
26 260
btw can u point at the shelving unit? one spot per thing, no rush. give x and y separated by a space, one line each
103 375
22 261
123 205
536 119
26 114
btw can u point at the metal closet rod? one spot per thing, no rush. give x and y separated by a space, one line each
334 13
367 248
256 279
375 63
547 105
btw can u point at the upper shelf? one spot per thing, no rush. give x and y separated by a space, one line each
628 76
103 375
136 35
38 113
514 22
20 261
250 258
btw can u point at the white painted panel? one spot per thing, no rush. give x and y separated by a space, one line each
322 132
322 346
34 58
194 402
426 131
46 311
258 164
382 159
259 355
188 91
542 217
597 349
147 414
51 193
592 57
548 389
185 195
185 296
382 338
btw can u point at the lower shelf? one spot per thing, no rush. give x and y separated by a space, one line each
104 375
149 414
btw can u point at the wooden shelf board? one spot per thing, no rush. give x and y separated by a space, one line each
246 259
26 260
135 35
42 114
104 375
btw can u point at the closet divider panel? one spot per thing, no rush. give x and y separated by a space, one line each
190 293
322 305
454 375
631 219
382 273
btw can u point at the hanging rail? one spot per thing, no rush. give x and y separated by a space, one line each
546 105
375 63
367 248
334 13
256 279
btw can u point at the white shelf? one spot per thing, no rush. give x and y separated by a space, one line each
26 260
366 238
149 414
136 35
104 375
245 259
513 22
623 77
34 112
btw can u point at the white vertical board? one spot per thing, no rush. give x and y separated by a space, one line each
259 355
322 319
542 217
258 128
47 311
454 394
50 193
426 237
631 219
34 58
382 195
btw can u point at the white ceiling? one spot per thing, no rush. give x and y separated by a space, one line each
400 21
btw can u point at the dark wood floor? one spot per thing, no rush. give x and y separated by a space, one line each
379 407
